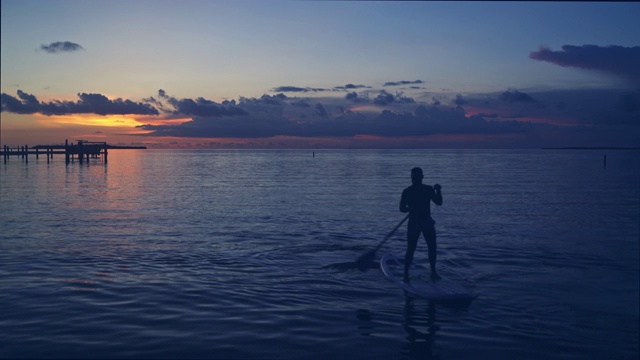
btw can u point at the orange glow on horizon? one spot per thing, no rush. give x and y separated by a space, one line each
109 121
155 120
472 111
364 108
87 120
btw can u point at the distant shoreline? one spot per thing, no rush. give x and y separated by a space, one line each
126 147
591 148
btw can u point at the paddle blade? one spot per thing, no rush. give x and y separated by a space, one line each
367 257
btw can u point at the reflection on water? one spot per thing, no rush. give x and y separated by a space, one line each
365 325
420 326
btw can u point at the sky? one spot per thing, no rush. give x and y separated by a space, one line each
320 74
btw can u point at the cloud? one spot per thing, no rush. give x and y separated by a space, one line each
618 60
296 89
280 115
353 96
277 100
222 127
350 87
61 46
87 104
198 107
507 114
347 87
404 82
300 103
320 110
384 98
459 100
513 95
588 108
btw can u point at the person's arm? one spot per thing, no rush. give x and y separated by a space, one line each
404 207
437 198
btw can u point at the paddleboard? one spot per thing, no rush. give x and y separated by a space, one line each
421 285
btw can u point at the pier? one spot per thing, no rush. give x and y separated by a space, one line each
83 150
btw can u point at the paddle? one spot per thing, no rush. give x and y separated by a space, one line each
368 256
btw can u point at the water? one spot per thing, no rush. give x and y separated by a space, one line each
249 254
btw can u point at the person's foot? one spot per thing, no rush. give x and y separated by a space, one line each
406 280
435 276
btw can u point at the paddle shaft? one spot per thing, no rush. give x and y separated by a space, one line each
391 233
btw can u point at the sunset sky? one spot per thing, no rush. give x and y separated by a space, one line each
321 74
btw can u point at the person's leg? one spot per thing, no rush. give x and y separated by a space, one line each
412 242
430 236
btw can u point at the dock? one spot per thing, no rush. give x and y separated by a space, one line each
83 151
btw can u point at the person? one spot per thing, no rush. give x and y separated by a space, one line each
416 200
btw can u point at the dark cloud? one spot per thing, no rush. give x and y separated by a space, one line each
353 96
278 100
350 87
513 95
204 107
459 100
156 103
223 127
296 89
400 116
198 107
300 103
87 104
591 108
618 60
503 114
385 98
404 82
61 46
270 119
435 120
320 110
101 105
400 98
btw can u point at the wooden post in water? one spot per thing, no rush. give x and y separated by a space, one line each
105 153
66 150
26 154
605 161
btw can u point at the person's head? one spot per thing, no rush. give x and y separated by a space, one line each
416 175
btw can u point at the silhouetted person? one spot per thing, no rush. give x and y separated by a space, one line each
416 199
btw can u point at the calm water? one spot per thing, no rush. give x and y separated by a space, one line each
249 254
